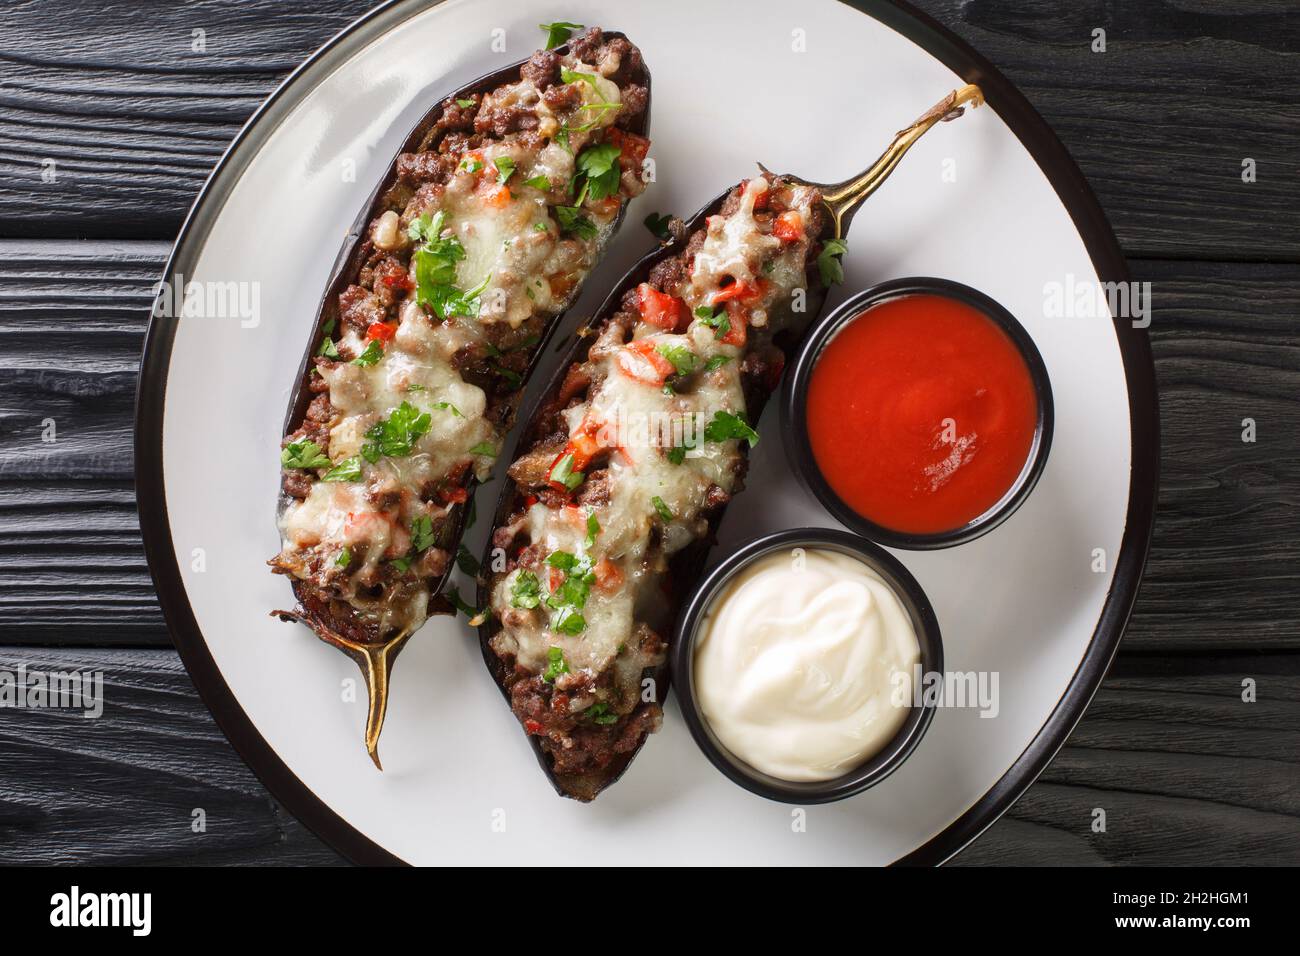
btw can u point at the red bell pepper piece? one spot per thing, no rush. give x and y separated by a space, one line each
640 360
659 309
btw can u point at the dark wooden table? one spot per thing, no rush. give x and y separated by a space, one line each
109 95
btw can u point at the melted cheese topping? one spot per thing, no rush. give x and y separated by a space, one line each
342 533
636 538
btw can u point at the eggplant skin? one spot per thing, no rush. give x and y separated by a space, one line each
686 565
449 123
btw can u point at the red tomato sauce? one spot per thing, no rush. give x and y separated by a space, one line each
921 413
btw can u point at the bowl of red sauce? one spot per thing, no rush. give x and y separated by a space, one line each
919 413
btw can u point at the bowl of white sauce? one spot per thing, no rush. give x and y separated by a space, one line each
798 663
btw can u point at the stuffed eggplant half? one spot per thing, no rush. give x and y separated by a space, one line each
496 209
631 457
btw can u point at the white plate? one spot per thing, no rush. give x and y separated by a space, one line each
460 782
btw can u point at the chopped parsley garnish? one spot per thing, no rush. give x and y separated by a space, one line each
505 169
727 425
563 474
683 359
828 263
327 348
402 564
476 617
593 529
526 592
573 221
484 448
716 362
677 454
373 353
539 182
555 665
558 32
471 166
344 558
422 533
568 621
464 104
658 225
349 469
304 454
600 714
599 164
435 269
510 376
443 406
466 561
397 434
664 511
570 597
717 321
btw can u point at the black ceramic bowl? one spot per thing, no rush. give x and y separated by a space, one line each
877 767
794 399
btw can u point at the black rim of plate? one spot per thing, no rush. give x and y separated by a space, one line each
1020 117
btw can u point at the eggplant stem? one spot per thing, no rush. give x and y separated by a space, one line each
843 198
376 664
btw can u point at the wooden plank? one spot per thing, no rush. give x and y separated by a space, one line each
1162 120
1223 571
1225 561
133 118
124 788
1185 771
72 321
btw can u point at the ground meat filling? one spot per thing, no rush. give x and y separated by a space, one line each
461 272
702 336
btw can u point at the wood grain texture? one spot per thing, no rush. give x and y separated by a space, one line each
123 788
1223 573
133 118
1184 770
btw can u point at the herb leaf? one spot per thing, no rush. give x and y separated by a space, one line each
464 104
539 182
683 359
558 32
466 561
600 166
526 592
573 221
664 511
304 454
484 448
568 621
717 321
555 665
726 425
658 225
422 533
344 558
505 169
373 353
828 264
476 616
397 434
593 529
349 469
599 714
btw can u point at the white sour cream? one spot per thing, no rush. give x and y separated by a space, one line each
795 664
